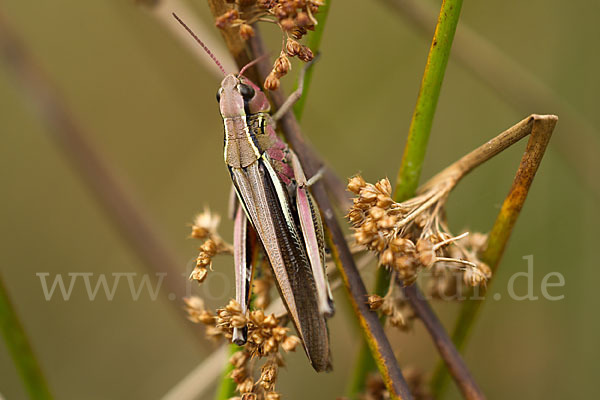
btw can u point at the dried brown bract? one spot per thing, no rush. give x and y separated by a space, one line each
411 235
205 228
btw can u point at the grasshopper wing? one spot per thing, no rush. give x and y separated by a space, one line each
267 206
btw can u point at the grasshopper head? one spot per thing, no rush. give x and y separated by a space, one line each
238 96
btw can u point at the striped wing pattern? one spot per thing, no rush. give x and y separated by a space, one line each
267 206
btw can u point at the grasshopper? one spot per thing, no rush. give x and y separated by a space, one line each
274 200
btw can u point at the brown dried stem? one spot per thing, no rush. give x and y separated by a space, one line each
540 128
133 224
457 170
452 358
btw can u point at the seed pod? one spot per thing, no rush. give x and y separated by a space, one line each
246 31
375 301
199 232
257 317
238 321
272 396
290 343
209 247
384 186
272 82
384 201
292 47
199 274
302 20
206 317
356 183
306 54
238 359
270 321
282 65
387 257
287 24
297 33
239 375
377 213
233 307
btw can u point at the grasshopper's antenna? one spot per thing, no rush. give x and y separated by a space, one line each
251 63
201 43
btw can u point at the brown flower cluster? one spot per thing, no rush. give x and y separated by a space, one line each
411 235
398 311
295 17
205 228
445 283
266 336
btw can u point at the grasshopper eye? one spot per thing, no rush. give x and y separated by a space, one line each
219 95
246 91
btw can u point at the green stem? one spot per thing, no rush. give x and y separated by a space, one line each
422 120
20 349
227 386
418 137
314 43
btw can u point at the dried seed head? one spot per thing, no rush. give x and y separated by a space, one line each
375 301
209 247
272 82
239 358
426 252
305 54
384 201
297 33
292 47
239 375
377 213
387 308
302 20
384 186
290 343
238 321
287 24
227 19
246 386
356 183
282 65
387 257
270 321
233 307
272 396
356 217
246 31
268 372
397 319
257 317
199 274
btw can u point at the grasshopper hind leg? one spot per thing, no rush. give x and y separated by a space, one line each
243 271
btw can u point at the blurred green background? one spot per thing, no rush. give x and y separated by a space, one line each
149 109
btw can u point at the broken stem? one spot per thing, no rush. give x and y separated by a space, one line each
540 128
